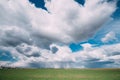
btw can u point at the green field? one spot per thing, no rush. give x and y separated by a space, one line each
59 74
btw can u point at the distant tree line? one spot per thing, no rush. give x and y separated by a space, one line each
6 67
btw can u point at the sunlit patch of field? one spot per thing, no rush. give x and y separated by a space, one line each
60 74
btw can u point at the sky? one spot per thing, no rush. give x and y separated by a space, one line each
60 33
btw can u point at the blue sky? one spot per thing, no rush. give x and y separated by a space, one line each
82 34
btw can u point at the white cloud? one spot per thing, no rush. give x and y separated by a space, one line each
87 46
65 24
104 56
30 34
109 37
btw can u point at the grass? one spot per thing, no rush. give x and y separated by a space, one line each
60 74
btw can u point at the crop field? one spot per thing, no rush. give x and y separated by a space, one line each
59 74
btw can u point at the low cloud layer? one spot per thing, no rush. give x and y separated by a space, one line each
38 38
89 57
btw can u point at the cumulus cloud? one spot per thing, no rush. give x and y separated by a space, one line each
36 37
65 24
89 57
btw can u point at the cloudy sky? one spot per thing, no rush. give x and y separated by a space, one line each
60 33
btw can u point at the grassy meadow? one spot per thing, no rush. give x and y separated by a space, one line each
59 74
